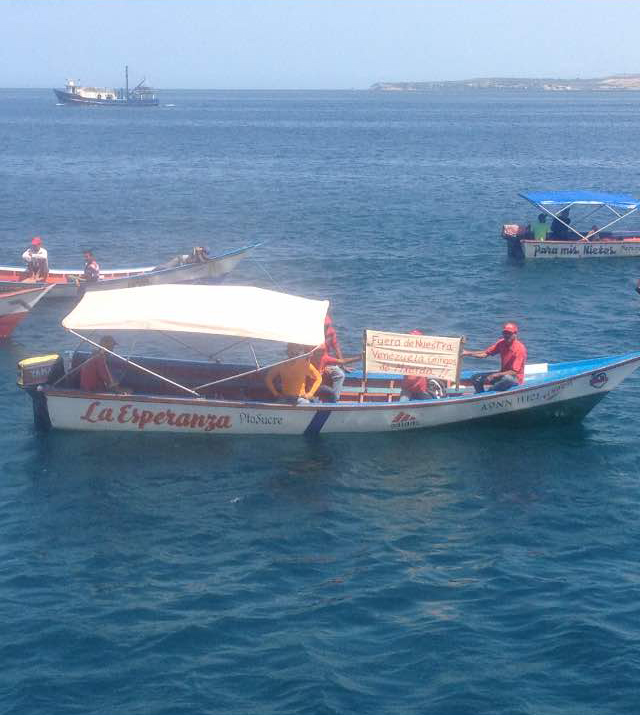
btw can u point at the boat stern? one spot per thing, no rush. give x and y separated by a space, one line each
33 374
513 234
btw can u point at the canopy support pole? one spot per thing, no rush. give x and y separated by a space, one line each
252 372
556 216
134 364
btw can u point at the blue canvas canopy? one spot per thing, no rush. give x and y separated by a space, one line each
590 198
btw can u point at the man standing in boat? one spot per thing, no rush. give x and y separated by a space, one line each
91 272
513 356
91 267
327 358
37 260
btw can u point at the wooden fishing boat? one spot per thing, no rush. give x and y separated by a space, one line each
210 397
564 239
68 283
15 306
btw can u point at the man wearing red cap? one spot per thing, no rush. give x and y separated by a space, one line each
513 356
37 260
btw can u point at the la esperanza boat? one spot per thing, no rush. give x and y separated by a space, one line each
139 96
568 241
194 266
15 306
210 397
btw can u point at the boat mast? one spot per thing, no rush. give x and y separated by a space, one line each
126 81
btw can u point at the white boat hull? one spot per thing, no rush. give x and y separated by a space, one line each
15 306
568 396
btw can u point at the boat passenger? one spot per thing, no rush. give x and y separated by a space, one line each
287 382
513 356
416 387
592 234
540 229
95 375
37 260
329 368
560 227
91 267
328 364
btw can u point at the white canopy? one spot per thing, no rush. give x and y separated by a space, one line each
218 310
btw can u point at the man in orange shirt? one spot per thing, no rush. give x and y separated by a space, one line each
513 356
95 375
292 377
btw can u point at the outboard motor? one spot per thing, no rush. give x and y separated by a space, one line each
35 372
513 234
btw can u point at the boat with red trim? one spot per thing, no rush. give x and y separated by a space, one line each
15 305
68 283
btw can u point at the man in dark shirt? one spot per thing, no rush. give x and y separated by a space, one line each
560 227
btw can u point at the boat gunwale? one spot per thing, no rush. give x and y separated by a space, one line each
346 406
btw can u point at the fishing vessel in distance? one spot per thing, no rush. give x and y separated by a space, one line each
139 96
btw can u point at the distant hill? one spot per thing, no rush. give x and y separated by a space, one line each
612 83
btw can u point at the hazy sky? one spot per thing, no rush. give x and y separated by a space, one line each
312 44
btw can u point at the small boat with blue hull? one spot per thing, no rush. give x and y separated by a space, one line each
191 397
195 266
564 239
139 96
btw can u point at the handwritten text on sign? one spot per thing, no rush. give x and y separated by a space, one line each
427 355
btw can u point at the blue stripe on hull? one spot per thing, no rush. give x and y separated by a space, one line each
318 421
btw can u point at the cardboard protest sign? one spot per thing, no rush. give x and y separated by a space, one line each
423 355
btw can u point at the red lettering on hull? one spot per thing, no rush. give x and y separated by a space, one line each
141 418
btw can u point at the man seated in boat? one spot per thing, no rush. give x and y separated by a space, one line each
513 356
95 375
540 229
560 228
419 387
287 382
591 235
198 254
37 260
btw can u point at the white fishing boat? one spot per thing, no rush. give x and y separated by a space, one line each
69 283
209 397
565 239
15 306
139 96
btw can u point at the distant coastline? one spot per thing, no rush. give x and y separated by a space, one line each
614 83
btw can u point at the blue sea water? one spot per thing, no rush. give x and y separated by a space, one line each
467 570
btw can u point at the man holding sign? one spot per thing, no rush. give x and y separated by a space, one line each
513 356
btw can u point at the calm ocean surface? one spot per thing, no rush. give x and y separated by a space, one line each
468 570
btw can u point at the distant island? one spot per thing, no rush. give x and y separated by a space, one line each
604 84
